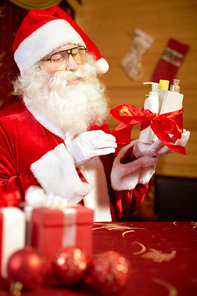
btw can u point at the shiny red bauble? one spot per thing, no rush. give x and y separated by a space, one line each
27 266
109 272
69 266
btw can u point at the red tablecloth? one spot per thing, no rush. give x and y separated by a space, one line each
163 257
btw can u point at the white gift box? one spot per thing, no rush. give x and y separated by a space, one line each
12 235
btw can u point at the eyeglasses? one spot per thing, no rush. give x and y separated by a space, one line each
59 60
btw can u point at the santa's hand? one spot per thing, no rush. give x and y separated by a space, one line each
158 148
90 144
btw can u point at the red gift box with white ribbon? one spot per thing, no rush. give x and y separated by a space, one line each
52 229
12 235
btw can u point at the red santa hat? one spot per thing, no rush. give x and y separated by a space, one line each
42 31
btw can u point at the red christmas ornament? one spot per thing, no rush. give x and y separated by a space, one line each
108 272
27 266
69 266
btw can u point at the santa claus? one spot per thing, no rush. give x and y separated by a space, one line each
56 136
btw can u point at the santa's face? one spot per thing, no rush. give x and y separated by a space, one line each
70 63
72 99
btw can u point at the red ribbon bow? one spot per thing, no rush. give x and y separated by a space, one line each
161 125
11 199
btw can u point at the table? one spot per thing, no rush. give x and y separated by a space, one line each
163 257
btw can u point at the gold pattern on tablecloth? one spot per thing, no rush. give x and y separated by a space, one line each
155 255
141 251
172 290
159 256
152 254
115 226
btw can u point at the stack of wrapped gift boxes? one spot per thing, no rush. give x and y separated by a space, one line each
45 228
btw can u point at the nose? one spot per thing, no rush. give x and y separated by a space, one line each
72 65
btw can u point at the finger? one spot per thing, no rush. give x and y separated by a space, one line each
184 139
164 151
156 145
108 137
173 138
106 144
102 135
104 151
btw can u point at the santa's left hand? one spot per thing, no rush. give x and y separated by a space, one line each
158 148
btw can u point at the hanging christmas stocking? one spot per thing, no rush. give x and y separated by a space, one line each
132 61
170 61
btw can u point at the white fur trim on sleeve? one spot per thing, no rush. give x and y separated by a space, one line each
127 176
56 173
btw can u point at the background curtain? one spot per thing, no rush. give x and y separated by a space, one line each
11 17
33 4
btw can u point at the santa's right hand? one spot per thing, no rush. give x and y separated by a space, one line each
158 148
90 144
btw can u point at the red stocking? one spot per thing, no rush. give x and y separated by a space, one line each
170 61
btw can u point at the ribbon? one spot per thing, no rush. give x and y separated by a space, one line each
161 125
11 199
70 230
35 197
122 133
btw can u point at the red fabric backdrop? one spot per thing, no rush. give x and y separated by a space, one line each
11 17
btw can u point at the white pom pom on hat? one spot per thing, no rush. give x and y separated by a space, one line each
42 31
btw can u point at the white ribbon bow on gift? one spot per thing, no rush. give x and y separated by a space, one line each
37 198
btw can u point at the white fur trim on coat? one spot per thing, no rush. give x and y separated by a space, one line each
56 173
127 176
98 198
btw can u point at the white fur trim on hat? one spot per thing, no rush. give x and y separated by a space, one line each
102 66
44 40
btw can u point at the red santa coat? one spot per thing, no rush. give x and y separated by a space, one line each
31 154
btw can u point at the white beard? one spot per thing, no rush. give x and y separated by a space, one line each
70 108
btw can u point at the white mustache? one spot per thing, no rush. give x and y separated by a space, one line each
83 72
